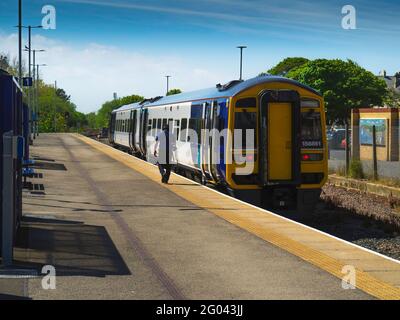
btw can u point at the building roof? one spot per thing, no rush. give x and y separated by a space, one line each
392 82
217 92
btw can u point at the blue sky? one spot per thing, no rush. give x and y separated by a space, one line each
127 46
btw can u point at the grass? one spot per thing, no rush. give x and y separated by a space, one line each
356 170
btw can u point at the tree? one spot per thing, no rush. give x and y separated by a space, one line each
286 65
393 98
103 115
343 84
56 113
91 120
174 91
62 94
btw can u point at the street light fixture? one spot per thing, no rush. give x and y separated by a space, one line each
241 59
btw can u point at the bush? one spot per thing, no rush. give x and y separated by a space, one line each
356 170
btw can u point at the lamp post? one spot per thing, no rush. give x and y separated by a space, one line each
28 48
36 88
167 84
241 60
20 42
36 128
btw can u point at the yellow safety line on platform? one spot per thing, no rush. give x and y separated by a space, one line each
253 220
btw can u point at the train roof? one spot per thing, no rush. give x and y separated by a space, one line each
229 90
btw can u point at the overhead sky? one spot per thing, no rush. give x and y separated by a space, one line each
127 46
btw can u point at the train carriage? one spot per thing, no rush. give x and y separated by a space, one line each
283 163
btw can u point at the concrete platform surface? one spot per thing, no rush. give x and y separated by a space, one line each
113 231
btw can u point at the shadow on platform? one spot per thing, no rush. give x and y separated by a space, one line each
72 247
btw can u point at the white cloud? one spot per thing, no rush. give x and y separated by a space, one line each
91 73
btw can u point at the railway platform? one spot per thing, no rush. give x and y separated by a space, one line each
112 230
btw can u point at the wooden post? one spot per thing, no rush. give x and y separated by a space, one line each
374 156
347 149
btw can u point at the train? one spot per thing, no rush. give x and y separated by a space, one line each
283 163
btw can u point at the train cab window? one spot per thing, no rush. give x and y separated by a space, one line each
311 129
246 103
183 127
246 121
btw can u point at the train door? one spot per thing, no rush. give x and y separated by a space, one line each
133 130
215 152
280 137
130 126
111 130
209 152
143 130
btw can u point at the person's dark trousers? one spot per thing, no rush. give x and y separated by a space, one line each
165 170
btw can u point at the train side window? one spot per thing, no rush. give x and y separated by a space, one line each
176 128
154 124
164 122
149 125
246 103
183 127
195 125
158 123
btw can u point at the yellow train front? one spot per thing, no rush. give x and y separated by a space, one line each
290 149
